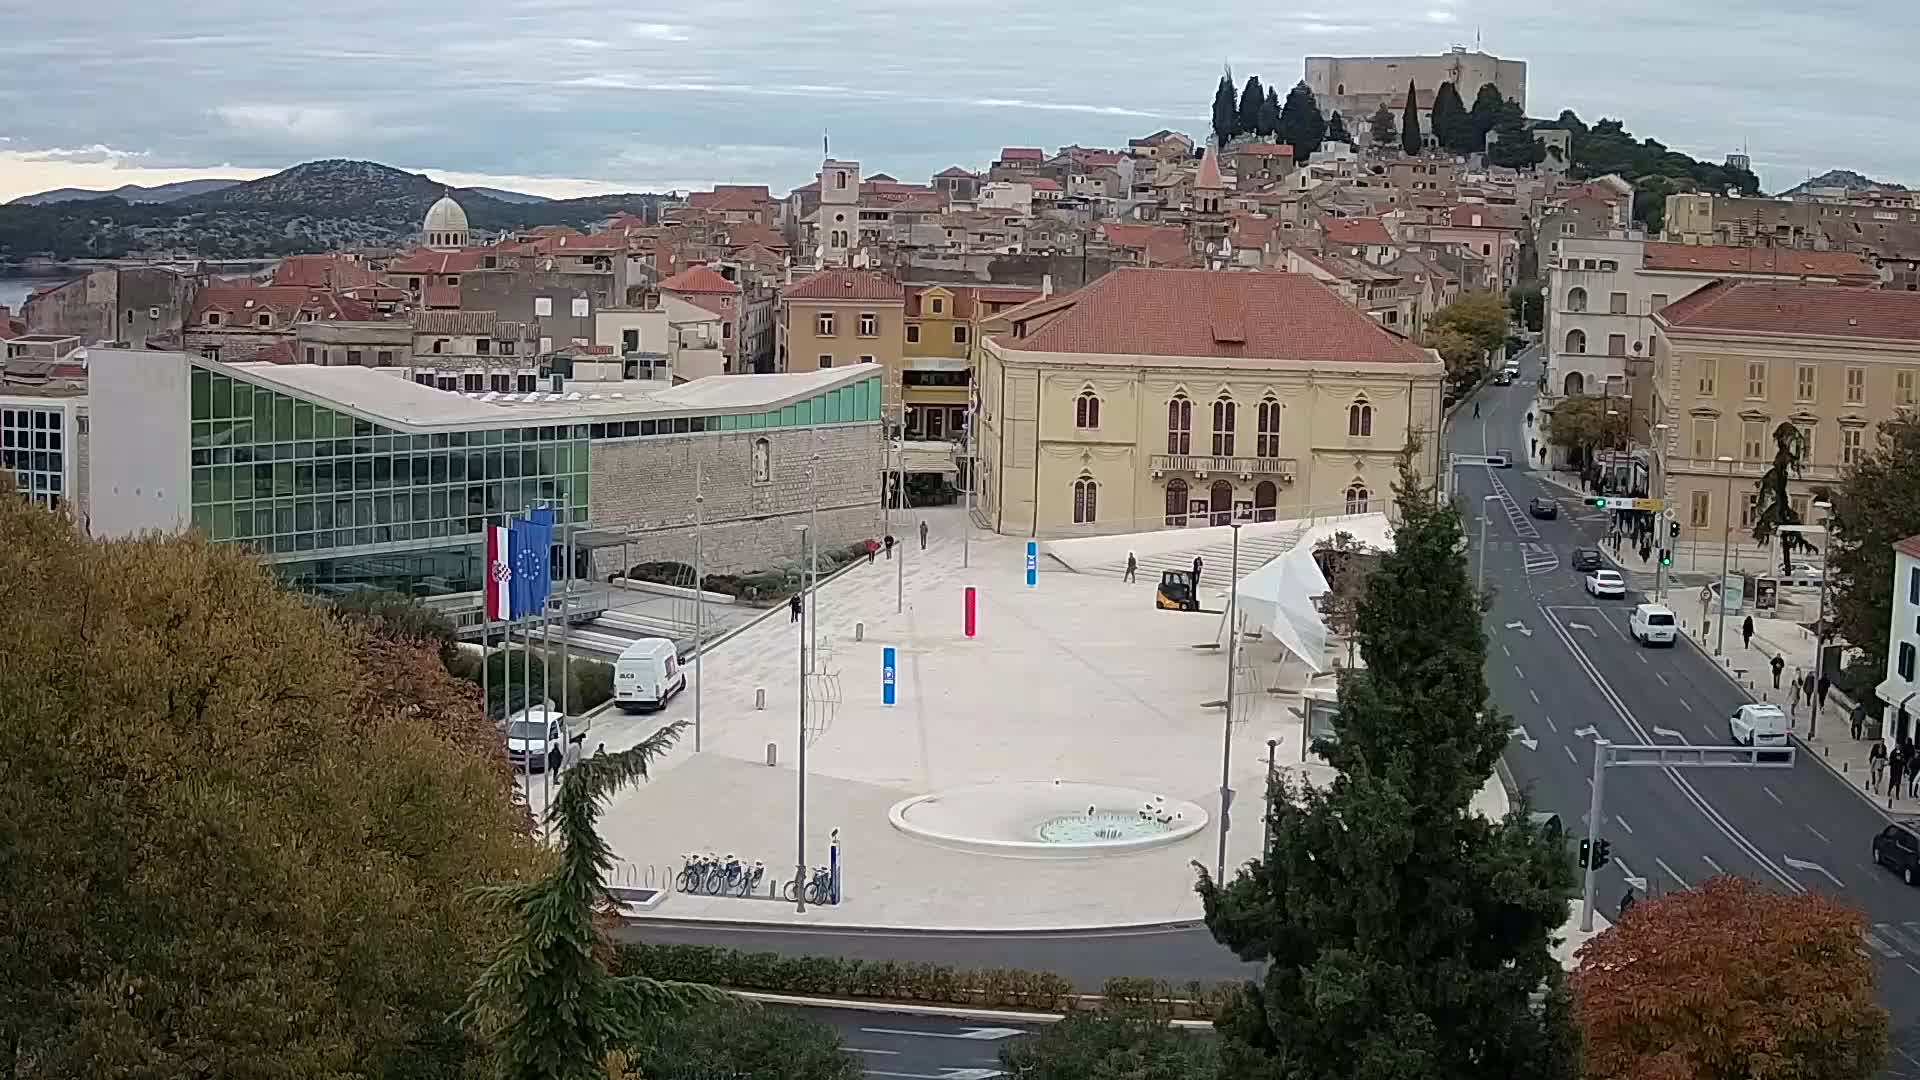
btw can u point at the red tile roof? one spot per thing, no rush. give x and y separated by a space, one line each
1162 243
240 300
1251 232
440 296
1797 309
1042 183
1022 153
967 299
1492 216
1209 178
845 285
1909 547
1265 150
322 272
1363 230
954 171
731 197
699 279
1842 265
1211 313
424 261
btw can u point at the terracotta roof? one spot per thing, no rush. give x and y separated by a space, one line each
1746 260
322 272
845 285
577 244
954 171
280 352
1265 150
1211 313
699 279
1022 153
1162 243
1042 183
476 323
423 261
440 296
1362 230
1209 178
1909 547
968 298
1797 309
1492 216
285 301
726 197
1251 232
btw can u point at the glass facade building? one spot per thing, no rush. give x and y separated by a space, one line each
337 501
33 448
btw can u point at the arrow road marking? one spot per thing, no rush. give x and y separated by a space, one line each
1520 626
1638 883
1586 732
977 1034
1526 740
1668 733
1582 626
1801 864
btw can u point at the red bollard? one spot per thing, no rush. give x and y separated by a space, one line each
970 611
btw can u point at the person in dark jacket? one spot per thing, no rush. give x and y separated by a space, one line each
1196 571
1746 632
1778 665
1820 689
1133 567
793 608
1896 765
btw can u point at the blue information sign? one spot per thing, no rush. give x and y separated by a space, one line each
1033 564
887 670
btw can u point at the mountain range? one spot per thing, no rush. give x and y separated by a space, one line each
315 206
1840 178
131 193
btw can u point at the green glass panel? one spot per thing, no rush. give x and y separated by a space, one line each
242 522
283 478
202 394
222 389
222 523
283 429
202 486
302 420
262 415
303 479
202 434
203 518
242 482
222 483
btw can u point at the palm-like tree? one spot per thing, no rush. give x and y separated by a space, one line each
1773 509
549 999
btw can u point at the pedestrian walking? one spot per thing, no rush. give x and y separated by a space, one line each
1627 902
1857 720
873 548
1746 632
1778 665
1529 418
1807 686
888 542
1133 566
1896 764
1476 408
1876 765
793 609
923 535
1820 689
1196 571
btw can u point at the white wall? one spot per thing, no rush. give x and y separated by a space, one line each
1905 630
140 415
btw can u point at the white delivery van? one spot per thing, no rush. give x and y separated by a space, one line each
1758 725
539 736
647 675
1651 624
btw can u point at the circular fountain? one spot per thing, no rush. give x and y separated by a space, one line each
1044 819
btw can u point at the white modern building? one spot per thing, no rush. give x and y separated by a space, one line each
1901 688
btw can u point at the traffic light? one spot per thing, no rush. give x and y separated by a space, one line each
1598 501
1673 528
1603 856
1666 557
1586 854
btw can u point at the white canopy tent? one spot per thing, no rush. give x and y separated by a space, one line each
1277 600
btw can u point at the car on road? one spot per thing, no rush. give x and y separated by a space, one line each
1651 624
1506 457
1542 507
1497 460
1606 583
1585 559
1503 377
1897 847
1758 725
1805 571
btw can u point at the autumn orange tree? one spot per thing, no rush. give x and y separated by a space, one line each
238 831
1730 981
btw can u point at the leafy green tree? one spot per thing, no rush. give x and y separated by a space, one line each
1252 100
1337 129
1382 128
1226 116
1579 424
1410 122
1101 1046
1451 124
1405 935
1460 353
1480 315
1876 505
548 1000
1301 124
735 1040
1772 508
1487 105
1270 113
238 829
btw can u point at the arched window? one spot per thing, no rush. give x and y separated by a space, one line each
1576 299
1267 441
1220 503
1086 493
1179 425
1176 502
1357 497
1576 341
1086 410
1223 417
1266 500
1575 383
1360 419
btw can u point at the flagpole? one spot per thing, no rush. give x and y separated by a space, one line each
566 618
526 681
546 691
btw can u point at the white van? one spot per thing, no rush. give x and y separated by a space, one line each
647 675
1651 624
1758 725
540 733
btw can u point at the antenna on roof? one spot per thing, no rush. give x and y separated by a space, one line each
824 151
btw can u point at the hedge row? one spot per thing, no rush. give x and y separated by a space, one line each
762 586
941 984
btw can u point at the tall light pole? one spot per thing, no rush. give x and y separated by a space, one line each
1663 541
1726 546
966 455
813 558
807 618
699 609
1266 819
1226 739
1480 574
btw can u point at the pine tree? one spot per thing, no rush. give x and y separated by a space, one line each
1405 935
1410 121
1452 127
1384 131
1225 116
1772 507
1337 129
1877 504
1270 113
1301 124
1514 146
1486 109
1252 100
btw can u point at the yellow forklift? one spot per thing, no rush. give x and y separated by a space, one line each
1177 592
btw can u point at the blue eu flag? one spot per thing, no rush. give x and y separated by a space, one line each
531 539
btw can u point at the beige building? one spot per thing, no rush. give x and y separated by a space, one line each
1167 398
836 318
1736 359
1355 86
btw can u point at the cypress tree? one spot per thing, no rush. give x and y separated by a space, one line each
1486 110
1452 128
1384 131
1270 113
1252 100
1337 129
1225 116
1405 935
1410 122
1301 124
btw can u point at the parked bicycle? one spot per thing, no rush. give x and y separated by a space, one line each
818 889
695 871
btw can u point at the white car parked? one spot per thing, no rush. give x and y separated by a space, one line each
1651 624
1606 583
1758 725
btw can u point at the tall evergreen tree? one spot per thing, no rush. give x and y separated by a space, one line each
1486 109
1405 935
1452 127
1301 125
1877 504
1384 131
1337 129
1252 100
1772 508
1410 121
1225 115
1270 113
1514 146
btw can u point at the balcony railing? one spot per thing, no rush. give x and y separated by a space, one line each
1200 465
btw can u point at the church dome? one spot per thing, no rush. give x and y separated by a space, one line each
445 225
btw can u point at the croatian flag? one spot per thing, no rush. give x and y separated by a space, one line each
499 573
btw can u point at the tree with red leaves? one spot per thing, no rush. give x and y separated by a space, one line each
1730 981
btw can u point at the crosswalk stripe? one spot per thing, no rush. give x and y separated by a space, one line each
1900 939
1881 947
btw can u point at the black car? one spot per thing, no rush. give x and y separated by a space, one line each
1586 559
1897 847
1503 377
1506 458
1542 507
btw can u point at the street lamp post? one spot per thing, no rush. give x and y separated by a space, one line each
1266 819
1226 739
807 618
1726 545
699 610
1665 538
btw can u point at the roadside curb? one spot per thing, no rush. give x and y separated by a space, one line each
1092 930
958 1012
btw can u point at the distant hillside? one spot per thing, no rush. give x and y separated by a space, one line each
316 206
1840 178
519 197
132 193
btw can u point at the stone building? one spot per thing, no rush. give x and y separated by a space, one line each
132 305
1355 86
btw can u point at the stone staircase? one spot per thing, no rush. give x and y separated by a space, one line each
1216 569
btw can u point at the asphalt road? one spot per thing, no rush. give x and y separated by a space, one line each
905 1046
1561 663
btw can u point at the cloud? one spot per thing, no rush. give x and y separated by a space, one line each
293 123
1442 17
1323 28
657 31
83 155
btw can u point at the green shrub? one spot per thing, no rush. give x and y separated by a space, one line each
833 976
1106 1045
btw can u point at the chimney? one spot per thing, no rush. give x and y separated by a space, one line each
1046 286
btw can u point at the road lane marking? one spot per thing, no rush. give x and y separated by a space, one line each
1517 671
1506 650
1662 678
1573 759
1642 657
1622 822
1771 795
1684 705
1802 864
1821 835
1670 872
1717 868
1550 723
866 1050
1916 971
1881 947
1898 937
1534 696
979 1034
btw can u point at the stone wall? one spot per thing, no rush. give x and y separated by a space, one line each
646 486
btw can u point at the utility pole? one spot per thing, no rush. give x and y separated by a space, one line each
1593 832
966 456
699 609
800 803
1226 738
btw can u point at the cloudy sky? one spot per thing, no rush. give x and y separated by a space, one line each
567 97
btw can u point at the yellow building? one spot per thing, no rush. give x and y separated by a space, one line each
1736 359
943 335
839 317
1166 398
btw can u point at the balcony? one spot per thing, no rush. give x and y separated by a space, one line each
1246 468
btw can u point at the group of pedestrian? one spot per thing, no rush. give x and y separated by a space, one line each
1901 766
